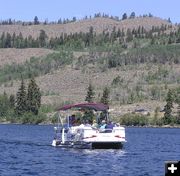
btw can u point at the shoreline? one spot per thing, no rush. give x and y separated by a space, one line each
146 126
153 126
18 123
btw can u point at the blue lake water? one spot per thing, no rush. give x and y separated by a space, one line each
26 150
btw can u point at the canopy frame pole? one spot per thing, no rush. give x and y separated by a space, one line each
107 116
68 119
63 137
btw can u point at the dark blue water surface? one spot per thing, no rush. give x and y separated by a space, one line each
27 150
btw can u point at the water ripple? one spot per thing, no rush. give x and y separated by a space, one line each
26 150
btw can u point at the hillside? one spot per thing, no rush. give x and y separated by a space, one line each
19 56
99 25
139 68
69 84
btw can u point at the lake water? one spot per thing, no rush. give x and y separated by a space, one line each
26 150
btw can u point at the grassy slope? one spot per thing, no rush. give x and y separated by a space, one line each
19 56
70 83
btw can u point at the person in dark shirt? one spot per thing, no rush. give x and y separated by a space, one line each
109 127
71 120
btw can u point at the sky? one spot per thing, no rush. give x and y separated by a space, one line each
52 10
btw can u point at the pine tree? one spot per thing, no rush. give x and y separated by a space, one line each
105 96
13 39
2 40
129 35
12 101
152 40
133 15
90 93
177 100
36 21
42 38
21 103
150 15
124 17
168 108
8 41
4 104
33 97
169 20
91 35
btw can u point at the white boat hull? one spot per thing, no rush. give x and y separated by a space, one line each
87 137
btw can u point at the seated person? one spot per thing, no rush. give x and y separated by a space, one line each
109 127
117 124
71 120
77 122
87 124
103 125
95 125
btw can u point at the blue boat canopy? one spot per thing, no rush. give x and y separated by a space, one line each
93 106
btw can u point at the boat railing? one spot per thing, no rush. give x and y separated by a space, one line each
106 130
99 130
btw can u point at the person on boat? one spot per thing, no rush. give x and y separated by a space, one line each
103 125
82 124
95 125
117 124
72 120
77 122
87 124
109 127
78 135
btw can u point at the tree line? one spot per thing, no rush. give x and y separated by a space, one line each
169 117
26 103
90 96
82 40
173 96
36 21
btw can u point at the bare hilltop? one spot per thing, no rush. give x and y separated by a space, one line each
99 25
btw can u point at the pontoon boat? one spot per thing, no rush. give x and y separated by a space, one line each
85 136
